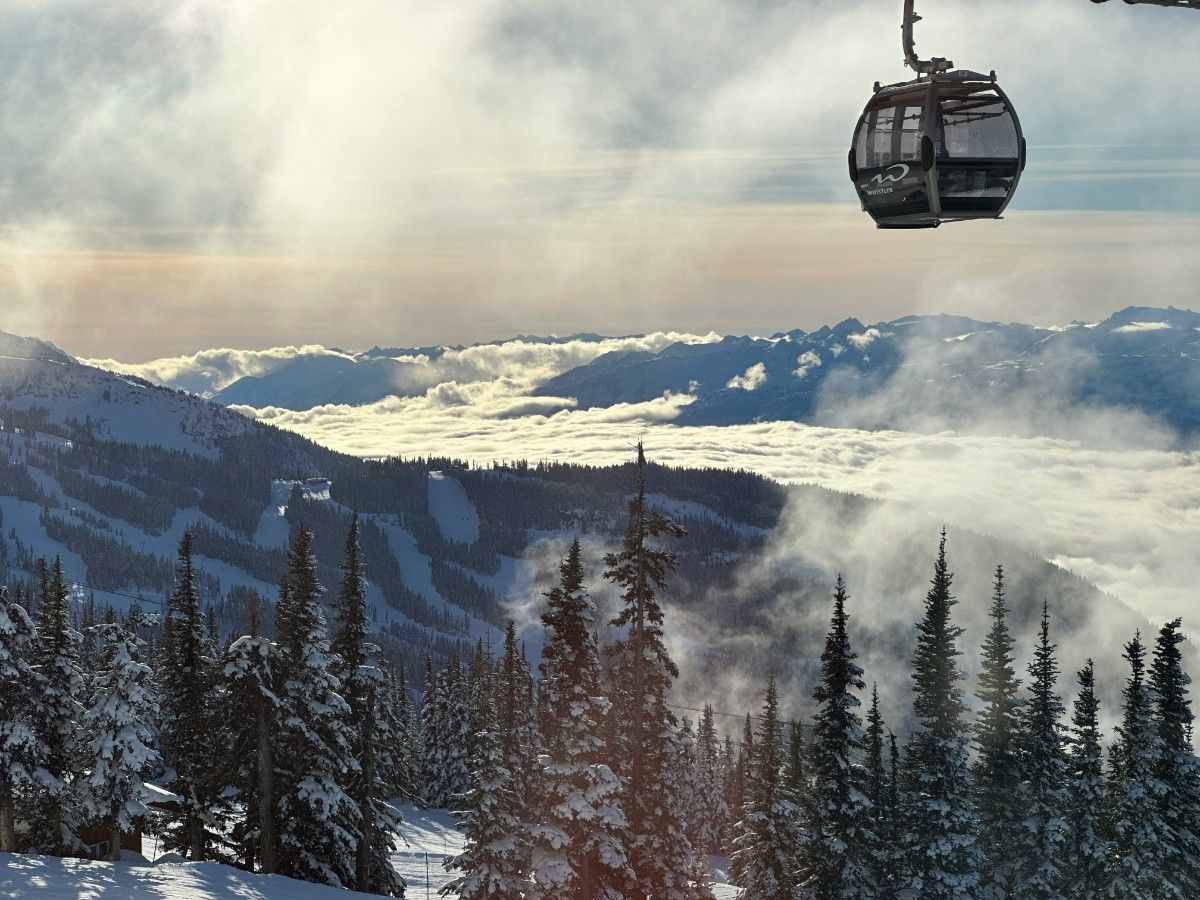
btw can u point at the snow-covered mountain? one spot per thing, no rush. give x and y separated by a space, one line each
917 372
107 471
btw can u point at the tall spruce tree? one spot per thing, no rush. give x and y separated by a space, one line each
254 709
56 660
765 847
838 812
1140 864
494 859
361 686
1042 870
797 787
317 818
23 752
941 852
1177 770
1087 846
996 769
119 752
713 814
445 728
883 813
578 848
187 693
641 675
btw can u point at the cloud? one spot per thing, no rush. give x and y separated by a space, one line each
208 371
864 339
1143 326
752 379
808 360
523 362
479 168
1124 518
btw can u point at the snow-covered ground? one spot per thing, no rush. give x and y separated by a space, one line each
48 878
427 839
452 509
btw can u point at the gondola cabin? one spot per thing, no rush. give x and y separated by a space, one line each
944 148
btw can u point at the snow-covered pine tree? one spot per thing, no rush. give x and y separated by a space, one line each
797 788
119 752
1041 871
883 815
1140 863
23 752
494 861
740 792
362 686
445 727
517 717
1087 848
941 855
578 849
765 852
56 660
252 676
838 812
406 750
186 694
1177 770
712 815
317 818
996 769
641 724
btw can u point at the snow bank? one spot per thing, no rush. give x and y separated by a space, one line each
49 878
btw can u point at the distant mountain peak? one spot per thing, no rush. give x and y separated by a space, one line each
15 347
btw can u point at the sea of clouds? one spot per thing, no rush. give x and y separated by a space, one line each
1122 512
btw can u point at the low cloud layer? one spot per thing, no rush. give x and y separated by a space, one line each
1126 519
515 365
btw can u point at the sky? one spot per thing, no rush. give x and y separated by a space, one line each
191 174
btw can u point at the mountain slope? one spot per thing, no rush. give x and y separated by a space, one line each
108 471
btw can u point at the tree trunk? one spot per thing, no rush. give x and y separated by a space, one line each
266 796
114 852
362 874
195 837
8 828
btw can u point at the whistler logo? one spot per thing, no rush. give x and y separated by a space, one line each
888 177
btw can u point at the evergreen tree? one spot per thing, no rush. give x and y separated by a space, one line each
1087 842
879 794
642 673
1043 794
1177 769
186 696
119 753
317 818
996 769
942 856
445 727
361 686
493 861
517 716
578 849
56 660
797 789
23 752
837 814
765 848
254 711
1140 864
713 814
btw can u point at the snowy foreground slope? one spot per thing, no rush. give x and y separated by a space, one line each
428 837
